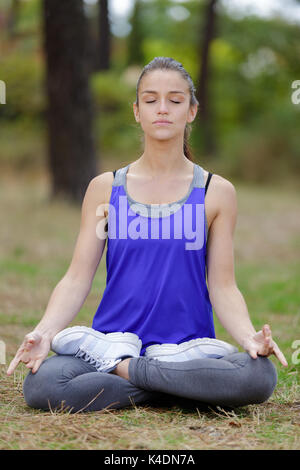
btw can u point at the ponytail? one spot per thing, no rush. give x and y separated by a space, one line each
186 147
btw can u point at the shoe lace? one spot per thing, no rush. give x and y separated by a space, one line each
94 361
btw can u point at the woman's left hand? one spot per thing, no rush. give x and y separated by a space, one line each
262 344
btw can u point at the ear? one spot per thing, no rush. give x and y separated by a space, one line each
136 112
192 112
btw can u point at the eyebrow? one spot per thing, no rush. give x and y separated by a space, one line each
153 91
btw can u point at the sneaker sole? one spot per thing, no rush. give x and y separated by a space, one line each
172 349
114 337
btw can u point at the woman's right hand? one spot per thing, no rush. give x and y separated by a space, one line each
32 352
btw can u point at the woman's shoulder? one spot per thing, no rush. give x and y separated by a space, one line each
103 179
218 184
220 196
101 186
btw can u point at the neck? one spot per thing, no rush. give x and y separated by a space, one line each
163 157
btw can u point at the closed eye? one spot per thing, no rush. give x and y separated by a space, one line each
177 102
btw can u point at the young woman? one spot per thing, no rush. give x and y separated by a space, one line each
153 332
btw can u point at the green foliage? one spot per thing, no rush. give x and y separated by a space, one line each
182 53
111 93
30 16
266 149
115 127
254 120
252 66
23 143
23 75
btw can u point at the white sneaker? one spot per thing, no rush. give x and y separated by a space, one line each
198 348
103 351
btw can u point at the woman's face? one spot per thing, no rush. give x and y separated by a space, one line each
164 96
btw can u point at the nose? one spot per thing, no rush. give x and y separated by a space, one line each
162 109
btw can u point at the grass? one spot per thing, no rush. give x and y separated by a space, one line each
37 242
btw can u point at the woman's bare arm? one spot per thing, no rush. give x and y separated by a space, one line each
226 298
71 291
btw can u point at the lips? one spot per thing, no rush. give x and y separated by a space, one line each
162 122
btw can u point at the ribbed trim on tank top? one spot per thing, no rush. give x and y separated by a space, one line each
154 210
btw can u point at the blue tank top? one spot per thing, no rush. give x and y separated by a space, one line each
156 267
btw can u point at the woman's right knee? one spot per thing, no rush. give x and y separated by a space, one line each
44 384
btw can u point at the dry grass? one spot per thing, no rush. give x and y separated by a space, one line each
37 242
266 426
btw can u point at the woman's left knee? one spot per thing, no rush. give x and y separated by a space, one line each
263 379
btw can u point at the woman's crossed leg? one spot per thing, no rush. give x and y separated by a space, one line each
70 383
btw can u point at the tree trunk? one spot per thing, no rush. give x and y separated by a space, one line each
205 117
13 17
136 37
71 154
104 41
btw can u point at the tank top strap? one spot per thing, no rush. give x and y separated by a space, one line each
199 176
199 183
208 180
119 179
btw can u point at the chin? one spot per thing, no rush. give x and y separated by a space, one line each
162 134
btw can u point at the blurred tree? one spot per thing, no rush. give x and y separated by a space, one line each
13 17
136 36
248 88
202 93
71 152
104 41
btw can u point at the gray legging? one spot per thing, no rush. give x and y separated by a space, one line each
234 380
